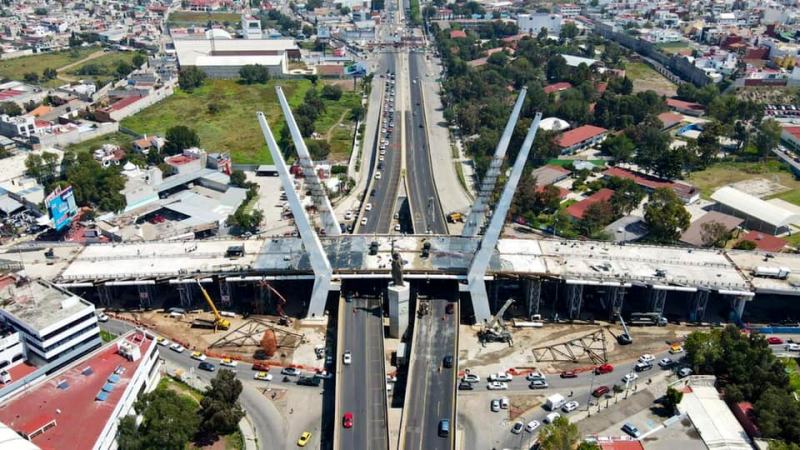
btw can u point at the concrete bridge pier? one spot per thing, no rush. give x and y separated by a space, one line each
574 298
737 303
104 293
225 289
185 294
533 295
699 304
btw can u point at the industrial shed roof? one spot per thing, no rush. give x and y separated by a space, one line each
754 207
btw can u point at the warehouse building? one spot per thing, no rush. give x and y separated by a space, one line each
220 56
757 214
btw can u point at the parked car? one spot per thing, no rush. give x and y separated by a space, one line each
495 405
309 381
262 376
774 340
569 407
497 386
631 429
666 363
347 357
569 374
532 426
641 367
675 348
464 386
605 368
646 358
538 384
471 378
550 418
629 377
500 376
290 371
685 372
177 348
601 391
792 347
518 427
207 366
198 356
102 317
504 403
535 376
229 362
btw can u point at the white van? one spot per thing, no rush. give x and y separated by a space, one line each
550 418
555 401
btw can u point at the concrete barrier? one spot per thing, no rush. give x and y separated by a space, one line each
337 407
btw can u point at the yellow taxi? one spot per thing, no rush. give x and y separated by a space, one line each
304 438
676 348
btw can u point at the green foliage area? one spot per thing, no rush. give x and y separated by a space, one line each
111 64
254 73
559 435
17 68
191 78
169 421
666 216
414 12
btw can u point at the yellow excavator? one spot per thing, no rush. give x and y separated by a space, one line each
219 322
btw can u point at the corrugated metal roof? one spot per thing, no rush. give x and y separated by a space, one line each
754 207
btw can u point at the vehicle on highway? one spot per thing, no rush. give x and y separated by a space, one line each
641 367
198 356
792 347
397 227
347 420
646 358
444 428
368 207
304 438
500 376
532 426
504 403
569 407
631 429
163 341
309 381
569 374
685 372
518 427
666 363
495 405
601 391
348 215
538 384
207 366
227 362
377 175
177 348
464 386
554 402
447 362
347 358
550 418
629 377
535 376
497 386
290 371
774 340
262 376
363 221
471 377
676 348
605 368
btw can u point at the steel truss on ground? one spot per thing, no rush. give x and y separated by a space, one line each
591 346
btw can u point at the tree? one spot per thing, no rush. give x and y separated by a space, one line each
568 31
596 216
318 149
91 69
331 92
213 107
665 216
498 59
31 77
768 137
10 108
238 179
49 73
191 78
557 68
672 399
245 222
123 69
627 195
254 74
589 445
621 147
220 411
559 435
745 245
40 11
43 168
169 421
313 101
138 59
547 198
780 445
93 185
179 138
714 234
357 113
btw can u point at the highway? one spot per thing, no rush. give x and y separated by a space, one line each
431 388
428 217
363 384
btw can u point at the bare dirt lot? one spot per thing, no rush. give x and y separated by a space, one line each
500 356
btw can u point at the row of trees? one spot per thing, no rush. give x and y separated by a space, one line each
171 420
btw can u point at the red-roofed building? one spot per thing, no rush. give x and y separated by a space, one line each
756 54
601 87
577 210
79 406
684 107
107 114
685 191
791 135
557 87
765 242
562 193
458 34
670 119
578 139
620 444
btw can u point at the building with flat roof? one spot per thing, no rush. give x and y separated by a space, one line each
222 58
694 234
80 406
53 323
716 424
757 214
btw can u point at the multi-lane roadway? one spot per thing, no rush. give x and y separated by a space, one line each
362 385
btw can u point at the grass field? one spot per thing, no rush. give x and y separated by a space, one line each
201 18
235 128
673 47
793 371
107 63
646 78
731 172
121 139
16 68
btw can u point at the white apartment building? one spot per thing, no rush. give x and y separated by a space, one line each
568 10
17 126
533 23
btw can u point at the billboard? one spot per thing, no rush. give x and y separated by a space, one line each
61 206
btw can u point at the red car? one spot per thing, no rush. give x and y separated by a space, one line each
601 391
347 420
605 368
569 374
774 340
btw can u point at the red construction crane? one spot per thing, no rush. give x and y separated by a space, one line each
284 319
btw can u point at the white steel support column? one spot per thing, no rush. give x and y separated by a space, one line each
615 297
699 304
533 295
477 270
318 194
145 295
478 212
574 299
224 291
658 298
317 257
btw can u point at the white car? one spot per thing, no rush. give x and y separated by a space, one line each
263 376
535 376
363 221
290 371
665 362
368 207
347 358
198 356
229 362
792 347
378 176
569 407
629 377
647 358
531 426
550 418
163 341
500 376
177 347
504 403
397 227
685 372
348 215
497 386
471 378
381 158
102 317
517 428
495 406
